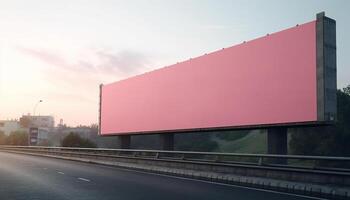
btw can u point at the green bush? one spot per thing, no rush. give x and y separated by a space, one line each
74 140
232 135
330 141
2 138
17 138
194 142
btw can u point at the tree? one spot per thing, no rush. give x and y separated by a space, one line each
195 142
2 138
347 90
232 135
331 141
74 140
25 122
17 138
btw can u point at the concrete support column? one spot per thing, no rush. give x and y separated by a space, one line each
167 141
277 143
124 141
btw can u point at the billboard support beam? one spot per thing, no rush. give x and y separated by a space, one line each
167 141
124 141
277 143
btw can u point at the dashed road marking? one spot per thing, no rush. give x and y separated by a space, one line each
60 172
84 179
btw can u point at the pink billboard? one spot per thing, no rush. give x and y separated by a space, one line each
266 81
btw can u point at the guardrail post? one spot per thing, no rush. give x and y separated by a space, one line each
157 155
183 156
217 158
260 162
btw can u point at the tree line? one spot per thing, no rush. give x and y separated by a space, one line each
15 138
326 141
20 138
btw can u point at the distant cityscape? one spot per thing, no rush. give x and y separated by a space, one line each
48 133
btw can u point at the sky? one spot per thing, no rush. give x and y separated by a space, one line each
60 51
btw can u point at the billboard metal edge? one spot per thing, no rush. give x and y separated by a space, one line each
326 68
227 128
99 110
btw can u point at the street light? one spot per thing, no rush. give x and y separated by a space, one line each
36 105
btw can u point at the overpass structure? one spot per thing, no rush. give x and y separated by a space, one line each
285 79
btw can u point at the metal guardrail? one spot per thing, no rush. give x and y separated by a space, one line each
299 163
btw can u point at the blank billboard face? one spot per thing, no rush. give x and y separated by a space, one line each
269 80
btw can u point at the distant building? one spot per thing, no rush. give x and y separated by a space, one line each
44 123
39 121
43 136
9 126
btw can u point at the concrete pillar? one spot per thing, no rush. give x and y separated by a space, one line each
124 141
167 141
277 143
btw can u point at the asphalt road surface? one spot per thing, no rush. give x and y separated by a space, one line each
35 178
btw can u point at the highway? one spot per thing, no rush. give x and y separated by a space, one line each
34 178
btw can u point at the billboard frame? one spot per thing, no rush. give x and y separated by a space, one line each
326 88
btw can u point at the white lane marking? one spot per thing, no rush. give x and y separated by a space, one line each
60 172
84 179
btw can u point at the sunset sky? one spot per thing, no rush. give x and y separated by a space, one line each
60 51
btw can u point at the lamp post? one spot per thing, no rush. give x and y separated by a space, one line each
36 105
